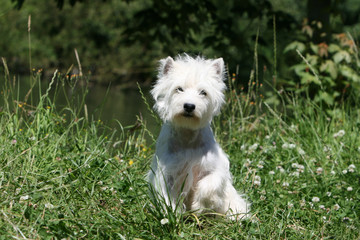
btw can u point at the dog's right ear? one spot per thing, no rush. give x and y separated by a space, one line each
166 65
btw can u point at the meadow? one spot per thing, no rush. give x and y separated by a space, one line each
66 175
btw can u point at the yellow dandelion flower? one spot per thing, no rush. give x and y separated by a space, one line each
131 162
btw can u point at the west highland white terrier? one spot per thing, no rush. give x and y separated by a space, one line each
188 163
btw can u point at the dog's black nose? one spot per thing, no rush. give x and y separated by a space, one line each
189 107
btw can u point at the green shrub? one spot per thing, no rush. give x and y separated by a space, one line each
328 72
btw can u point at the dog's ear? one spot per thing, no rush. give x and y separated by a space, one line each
218 64
166 65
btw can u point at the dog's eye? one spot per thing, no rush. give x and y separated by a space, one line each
179 89
203 93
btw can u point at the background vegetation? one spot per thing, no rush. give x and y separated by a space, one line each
290 124
121 41
64 175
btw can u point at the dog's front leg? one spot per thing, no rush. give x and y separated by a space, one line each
209 193
161 187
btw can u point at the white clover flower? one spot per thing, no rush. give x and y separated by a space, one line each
24 198
247 163
301 168
288 146
262 198
293 127
344 171
322 207
257 180
349 189
340 133
351 168
257 183
260 166
49 206
164 221
285 184
271 172
315 199
290 205
301 151
295 174
243 147
327 149
294 165
253 147
285 146
336 207
332 172
281 169
328 194
319 171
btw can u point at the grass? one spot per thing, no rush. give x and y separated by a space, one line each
64 175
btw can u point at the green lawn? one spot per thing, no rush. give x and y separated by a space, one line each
64 175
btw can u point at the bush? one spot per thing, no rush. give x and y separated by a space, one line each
328 72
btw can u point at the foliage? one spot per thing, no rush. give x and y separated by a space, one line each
94 29
60 3
121 41
326 71
63 176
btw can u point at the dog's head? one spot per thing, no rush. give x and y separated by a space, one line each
189 91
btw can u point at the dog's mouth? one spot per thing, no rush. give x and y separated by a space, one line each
188 115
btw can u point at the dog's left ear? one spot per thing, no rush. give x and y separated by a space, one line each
218 65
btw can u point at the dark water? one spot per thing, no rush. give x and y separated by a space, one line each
123 105
109 104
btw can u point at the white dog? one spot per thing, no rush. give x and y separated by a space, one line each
189 164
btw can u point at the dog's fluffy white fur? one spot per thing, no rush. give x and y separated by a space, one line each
188 163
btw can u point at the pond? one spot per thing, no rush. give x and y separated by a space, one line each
108 104
123 105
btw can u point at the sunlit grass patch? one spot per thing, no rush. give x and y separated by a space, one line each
64 174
